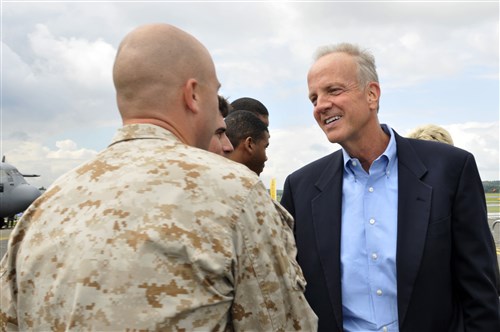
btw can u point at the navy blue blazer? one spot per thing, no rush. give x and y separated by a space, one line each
445 259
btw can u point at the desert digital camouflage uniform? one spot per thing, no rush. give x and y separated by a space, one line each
153 234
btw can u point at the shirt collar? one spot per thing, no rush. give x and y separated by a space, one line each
142 131
390 151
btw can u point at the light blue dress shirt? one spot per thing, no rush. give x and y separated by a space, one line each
368 242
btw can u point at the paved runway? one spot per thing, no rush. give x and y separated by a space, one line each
4 236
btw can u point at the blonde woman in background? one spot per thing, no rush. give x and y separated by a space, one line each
431 132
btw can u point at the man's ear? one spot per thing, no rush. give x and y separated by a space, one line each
191 98
373 94
248 144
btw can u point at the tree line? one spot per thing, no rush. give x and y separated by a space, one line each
491 186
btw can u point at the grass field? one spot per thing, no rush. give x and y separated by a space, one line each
493 202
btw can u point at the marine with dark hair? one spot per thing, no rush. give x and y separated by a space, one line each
250 139
252 105
224 106
220 143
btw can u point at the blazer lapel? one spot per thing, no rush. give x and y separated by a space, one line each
326 213
414 203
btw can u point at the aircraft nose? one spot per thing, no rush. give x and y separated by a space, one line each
27 191
24 195
18 199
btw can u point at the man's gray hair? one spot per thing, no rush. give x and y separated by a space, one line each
367 71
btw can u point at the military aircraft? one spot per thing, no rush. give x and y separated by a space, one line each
15 193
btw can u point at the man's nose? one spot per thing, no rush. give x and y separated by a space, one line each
323 103
227 147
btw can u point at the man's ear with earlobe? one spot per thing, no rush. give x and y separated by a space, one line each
373 93
190 94
248 143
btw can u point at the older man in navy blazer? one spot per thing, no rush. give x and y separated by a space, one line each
392 233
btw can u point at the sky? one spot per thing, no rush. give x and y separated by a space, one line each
438 62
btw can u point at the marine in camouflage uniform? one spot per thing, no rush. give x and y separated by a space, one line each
153 234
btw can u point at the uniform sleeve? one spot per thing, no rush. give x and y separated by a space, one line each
8 312
269 285
286 198
475 260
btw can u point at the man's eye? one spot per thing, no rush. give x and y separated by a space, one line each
335 91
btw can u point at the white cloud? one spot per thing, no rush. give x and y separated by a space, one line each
410 40
65 85
293 148
68 150
34 158
482 140
86 63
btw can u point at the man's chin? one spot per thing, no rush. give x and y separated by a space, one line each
332 137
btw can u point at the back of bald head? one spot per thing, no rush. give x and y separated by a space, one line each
151 66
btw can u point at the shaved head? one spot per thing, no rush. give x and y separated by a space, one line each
156 67
153 60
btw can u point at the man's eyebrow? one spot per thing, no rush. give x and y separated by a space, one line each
220 130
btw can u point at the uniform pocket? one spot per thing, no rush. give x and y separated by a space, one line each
296 277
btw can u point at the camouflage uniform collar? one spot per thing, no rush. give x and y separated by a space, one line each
142 131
